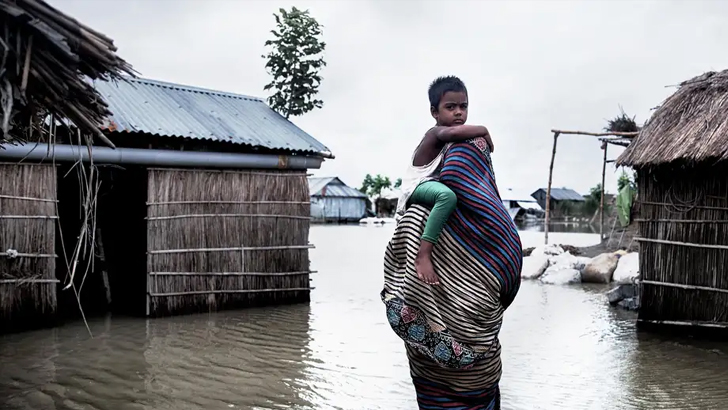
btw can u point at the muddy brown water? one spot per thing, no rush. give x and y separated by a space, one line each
562 349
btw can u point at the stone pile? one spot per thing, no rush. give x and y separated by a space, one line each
552 265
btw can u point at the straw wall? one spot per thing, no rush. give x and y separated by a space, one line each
683 225
27 242
226 239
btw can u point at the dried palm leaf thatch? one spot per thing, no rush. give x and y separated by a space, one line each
622 123
683 227
226 239
690 126
27 241
47 60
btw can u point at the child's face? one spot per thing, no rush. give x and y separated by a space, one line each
453 109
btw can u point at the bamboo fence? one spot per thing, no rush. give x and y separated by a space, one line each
226 239
683 229
27 242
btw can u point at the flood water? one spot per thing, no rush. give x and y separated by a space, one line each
563 348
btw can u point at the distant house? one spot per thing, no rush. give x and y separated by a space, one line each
520 204
334 201
560 197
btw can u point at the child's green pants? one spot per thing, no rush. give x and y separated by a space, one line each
443 202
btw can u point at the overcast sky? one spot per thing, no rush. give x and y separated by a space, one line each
529 67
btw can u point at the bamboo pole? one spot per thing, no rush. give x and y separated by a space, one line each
272 274
245 248
29 255
229 202
21 280
685 221
689 244
548 189
230 291
681 286
28 217
718 325
27 198
601 199
188 216
287 173
714 208
104 272
597 134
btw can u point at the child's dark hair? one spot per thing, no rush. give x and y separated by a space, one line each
441 85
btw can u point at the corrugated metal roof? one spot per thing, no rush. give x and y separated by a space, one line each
316 183
173 110
563 194
334 188
510 194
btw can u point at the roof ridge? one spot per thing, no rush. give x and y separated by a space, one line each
190 88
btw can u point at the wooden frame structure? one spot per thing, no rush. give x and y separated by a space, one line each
617 138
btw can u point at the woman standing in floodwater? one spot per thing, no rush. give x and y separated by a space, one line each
451 330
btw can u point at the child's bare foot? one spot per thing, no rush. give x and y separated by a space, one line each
425 270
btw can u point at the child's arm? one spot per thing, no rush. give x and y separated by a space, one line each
460 133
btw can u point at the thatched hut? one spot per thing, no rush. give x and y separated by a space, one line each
203 204
48 60
681 158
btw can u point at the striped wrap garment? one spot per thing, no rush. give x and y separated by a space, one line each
451 330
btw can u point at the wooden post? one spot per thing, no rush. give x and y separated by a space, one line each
104 272
548 190
601 200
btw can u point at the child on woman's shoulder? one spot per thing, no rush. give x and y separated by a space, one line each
449 108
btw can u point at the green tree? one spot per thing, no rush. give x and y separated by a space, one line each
373 186
591 204
294 62
366 184
398 183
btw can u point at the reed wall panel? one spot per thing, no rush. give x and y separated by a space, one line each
28 227
685 208
201 226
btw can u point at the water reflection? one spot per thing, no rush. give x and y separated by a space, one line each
563 348
570 227
674 373
248 359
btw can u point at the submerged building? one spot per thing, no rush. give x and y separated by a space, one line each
334 201
203 205
681 159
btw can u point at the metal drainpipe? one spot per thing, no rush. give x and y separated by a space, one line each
154 157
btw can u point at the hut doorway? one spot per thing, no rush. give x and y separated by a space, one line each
109 273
